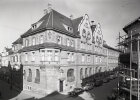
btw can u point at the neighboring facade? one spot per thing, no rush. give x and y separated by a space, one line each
57 52
0 60
15 58
129 63
5 56
112 57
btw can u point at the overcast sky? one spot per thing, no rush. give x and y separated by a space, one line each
16 16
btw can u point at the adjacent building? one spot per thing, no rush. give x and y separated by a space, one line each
129 61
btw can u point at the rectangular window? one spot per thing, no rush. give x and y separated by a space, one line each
68 42
72 43
49 55
68 55
72 57
83 58
26 56
56 58
42 55
41 39
59 39
33 56
88 58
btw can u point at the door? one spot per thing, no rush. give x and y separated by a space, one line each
61 85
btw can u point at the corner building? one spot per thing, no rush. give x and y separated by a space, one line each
58 52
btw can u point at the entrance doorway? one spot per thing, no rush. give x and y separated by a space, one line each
61 85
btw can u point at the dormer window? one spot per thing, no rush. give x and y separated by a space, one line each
34 26
68 28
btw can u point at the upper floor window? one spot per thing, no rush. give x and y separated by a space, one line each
56 58
83 58
33 56
59 39
26 56
41 39
33 41
88 58
42 55
72 43
16 58
68 42
68 55
72 57
26 42
49 55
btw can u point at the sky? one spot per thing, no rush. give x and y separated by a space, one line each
16 16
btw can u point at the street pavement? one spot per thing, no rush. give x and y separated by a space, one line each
101 93
98 93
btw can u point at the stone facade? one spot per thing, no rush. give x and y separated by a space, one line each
58 52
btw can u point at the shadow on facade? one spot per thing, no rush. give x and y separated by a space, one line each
56 96
11 82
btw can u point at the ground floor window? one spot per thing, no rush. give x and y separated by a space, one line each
37 78
70 75
29 79
86 74
81 73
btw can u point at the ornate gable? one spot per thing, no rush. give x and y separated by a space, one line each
85 30
98 36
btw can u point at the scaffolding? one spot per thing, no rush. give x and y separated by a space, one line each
126 45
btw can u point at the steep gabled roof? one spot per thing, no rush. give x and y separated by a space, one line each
109 47
55 21
18 41
76 23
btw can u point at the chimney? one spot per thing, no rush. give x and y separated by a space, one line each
71 17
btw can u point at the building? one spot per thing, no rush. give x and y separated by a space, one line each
0 60
112 57
5 58
58 52
129 61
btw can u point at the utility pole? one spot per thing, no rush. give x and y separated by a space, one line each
131 65
138 64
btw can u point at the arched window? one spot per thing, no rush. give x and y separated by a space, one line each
81 73
37 79
70 75
33 41
29 79
86 72
24 74
26 42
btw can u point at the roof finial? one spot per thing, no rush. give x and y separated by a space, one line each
71 17
49 8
